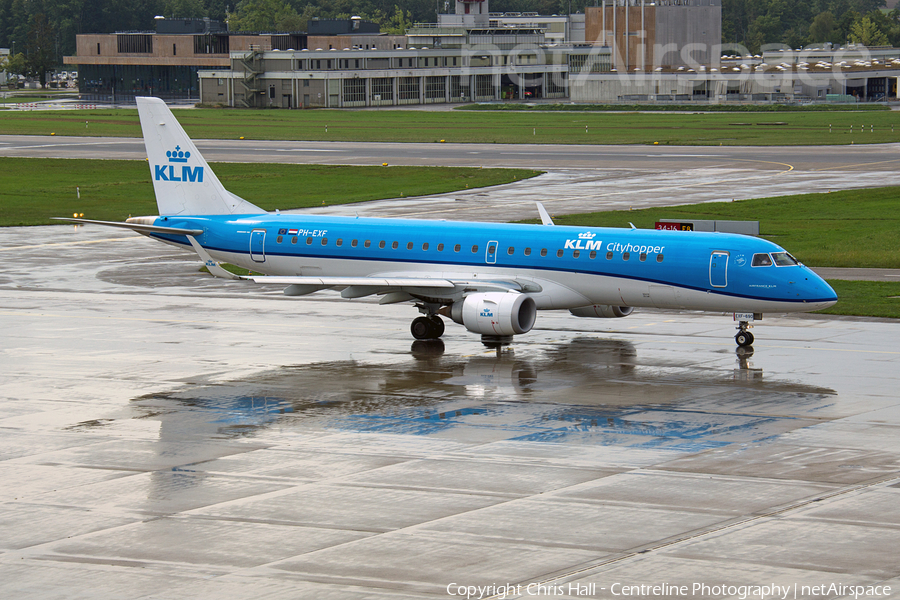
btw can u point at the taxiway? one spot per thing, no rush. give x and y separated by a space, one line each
167 435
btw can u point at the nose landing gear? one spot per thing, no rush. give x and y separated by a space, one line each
744 338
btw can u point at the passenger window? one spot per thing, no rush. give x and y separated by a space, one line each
409 246
575 253
593 254
609 256
457 248
527 251
643 256
659 258
761 260
474 249
324 241
559 253
294 240
339 242
440 247
381 244
353 243
626 255
367 244
309 241
510 250
491 249
395 245
425 246
543 252
784 259
279 239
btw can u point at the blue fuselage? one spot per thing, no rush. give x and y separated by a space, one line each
573 265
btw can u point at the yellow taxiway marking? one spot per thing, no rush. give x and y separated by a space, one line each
121 239
865 164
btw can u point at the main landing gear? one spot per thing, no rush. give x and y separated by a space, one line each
744 338
427 328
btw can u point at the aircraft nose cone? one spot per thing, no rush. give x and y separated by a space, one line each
820 293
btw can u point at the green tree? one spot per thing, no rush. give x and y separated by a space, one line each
396 24
184 9
14 65
866 32
41 57
263 15
824 28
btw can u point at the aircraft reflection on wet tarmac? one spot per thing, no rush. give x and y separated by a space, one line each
583 391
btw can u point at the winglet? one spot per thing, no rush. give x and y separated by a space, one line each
214 269
545 216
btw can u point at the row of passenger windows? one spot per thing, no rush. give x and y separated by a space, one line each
458 247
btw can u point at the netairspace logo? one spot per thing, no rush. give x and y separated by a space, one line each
168 172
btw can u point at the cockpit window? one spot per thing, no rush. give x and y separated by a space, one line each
762 260
784 259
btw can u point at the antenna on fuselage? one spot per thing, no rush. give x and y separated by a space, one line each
632 225
545 216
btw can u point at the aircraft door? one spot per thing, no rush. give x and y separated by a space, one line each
718 269
257 245
490 253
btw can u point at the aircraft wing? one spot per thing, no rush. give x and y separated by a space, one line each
394 289
397 287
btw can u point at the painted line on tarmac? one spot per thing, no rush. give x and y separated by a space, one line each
867 164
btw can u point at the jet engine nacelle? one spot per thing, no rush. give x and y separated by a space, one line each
601 311
495 313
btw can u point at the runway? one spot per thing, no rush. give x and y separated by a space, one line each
167 435
578 178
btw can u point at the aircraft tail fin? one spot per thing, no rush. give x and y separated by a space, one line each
182 180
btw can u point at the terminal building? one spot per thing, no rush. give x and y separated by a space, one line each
467 56
619 51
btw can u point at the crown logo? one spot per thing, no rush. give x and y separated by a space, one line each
587 235
177 156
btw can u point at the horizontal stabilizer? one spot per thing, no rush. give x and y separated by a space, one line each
135 226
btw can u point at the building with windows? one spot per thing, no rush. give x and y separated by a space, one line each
165 63
466 56
354 77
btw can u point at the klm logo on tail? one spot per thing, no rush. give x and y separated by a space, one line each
168 172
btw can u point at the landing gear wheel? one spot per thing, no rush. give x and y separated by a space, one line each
437 326
744 339
422 328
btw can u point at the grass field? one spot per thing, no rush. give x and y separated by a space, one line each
866 298
114 190
794 128
729 108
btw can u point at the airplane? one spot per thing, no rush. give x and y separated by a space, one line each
491 278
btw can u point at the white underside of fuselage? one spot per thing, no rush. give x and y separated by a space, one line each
560 289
